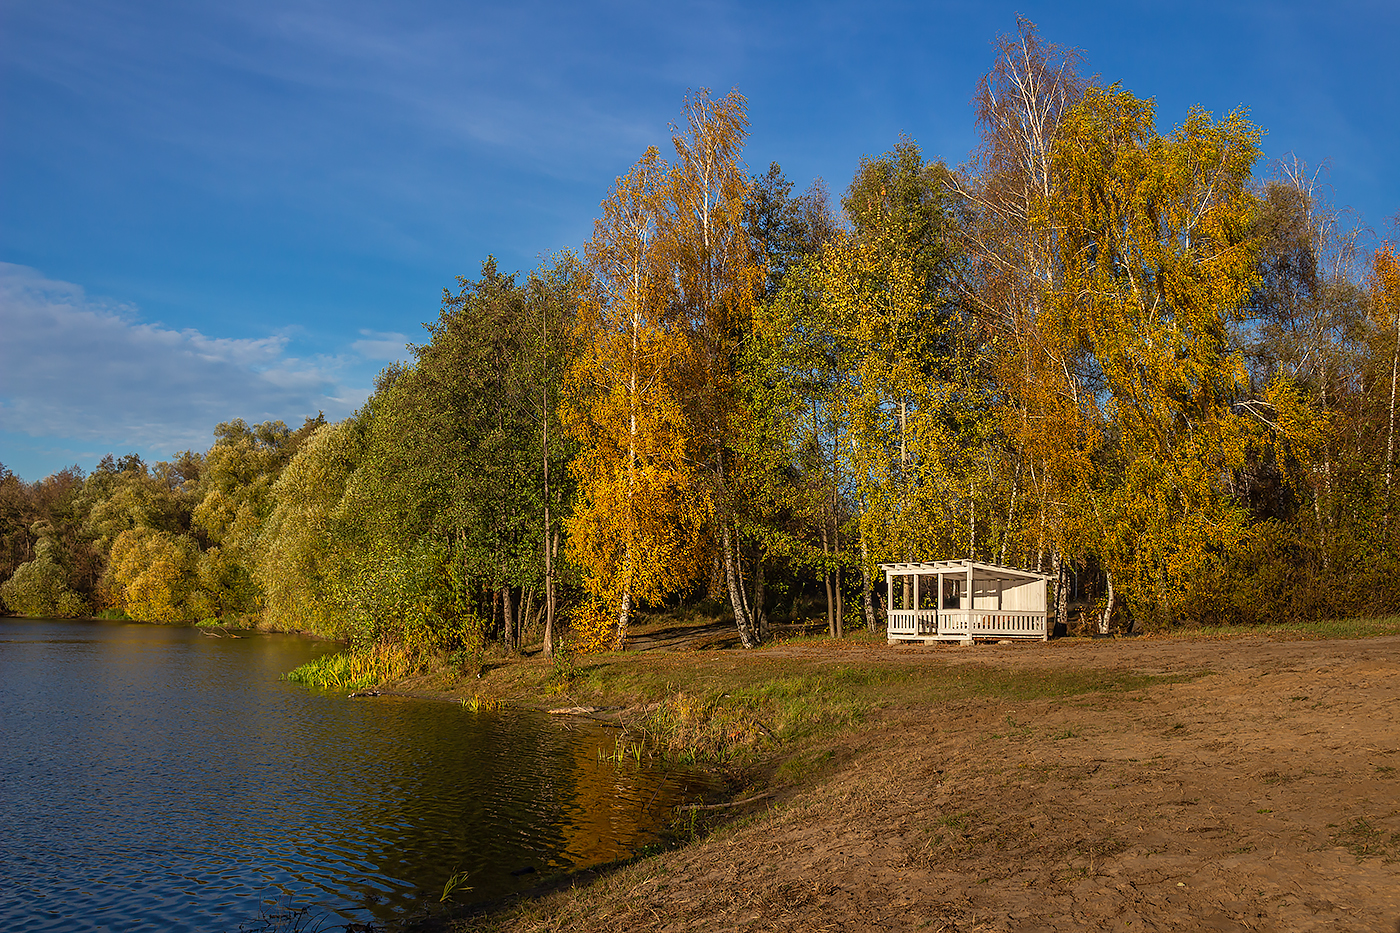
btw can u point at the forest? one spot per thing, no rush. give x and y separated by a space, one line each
1135 358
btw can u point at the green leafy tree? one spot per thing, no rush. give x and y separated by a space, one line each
39 588
455 452
304 546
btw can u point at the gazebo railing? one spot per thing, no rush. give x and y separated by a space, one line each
913 623
930 623
991 623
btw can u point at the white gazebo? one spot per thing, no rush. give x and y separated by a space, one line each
961 600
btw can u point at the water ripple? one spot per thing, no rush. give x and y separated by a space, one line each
154 779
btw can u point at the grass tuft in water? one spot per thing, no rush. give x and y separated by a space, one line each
481 704
456 882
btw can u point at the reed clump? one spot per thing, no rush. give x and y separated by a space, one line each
358 669
480 704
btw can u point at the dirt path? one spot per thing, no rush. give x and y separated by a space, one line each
1262 795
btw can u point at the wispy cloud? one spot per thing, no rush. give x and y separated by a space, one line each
389 347
81 368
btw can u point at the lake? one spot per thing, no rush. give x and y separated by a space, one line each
155 778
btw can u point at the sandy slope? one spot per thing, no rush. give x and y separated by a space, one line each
1262 795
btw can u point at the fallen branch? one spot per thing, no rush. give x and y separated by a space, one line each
732 803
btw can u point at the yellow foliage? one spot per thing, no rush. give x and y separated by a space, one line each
636 531
301 548
1156 259
592 628
153 573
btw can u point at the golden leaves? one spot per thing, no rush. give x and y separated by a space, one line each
153 572
1157 257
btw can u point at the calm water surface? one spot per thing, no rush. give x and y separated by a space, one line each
153 778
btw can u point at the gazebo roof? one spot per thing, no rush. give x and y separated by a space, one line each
980 571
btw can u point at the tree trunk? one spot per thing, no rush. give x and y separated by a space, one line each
509 634
497 630
1323 509
548 558
749 613
1107 620
550 545
971 522
624 616
826 580
836 624
1010 511
736 598
1040 538
1390 436
836 549
840 606
867 597
529 613
1061 597
757 615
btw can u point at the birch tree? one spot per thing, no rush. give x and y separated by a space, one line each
1012 246
710 276
637 532
1385 302
1157 258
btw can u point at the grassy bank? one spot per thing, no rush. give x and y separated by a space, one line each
1353 627
709 706
742 708
784 719
1006 795
355 670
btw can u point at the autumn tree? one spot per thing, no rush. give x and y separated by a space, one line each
850 335
48 515
237 475
863 340
637 532
708 276
1013 264
305 545
1385 304
1156 258
40 588
154 573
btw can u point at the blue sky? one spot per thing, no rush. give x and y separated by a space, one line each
211 211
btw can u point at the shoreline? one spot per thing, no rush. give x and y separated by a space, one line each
1243 782
1029 717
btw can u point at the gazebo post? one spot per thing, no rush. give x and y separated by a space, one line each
915 607
968 608
889 600
938 625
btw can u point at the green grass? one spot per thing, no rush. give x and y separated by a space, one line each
354 670
740 707
1353 627
1364 841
